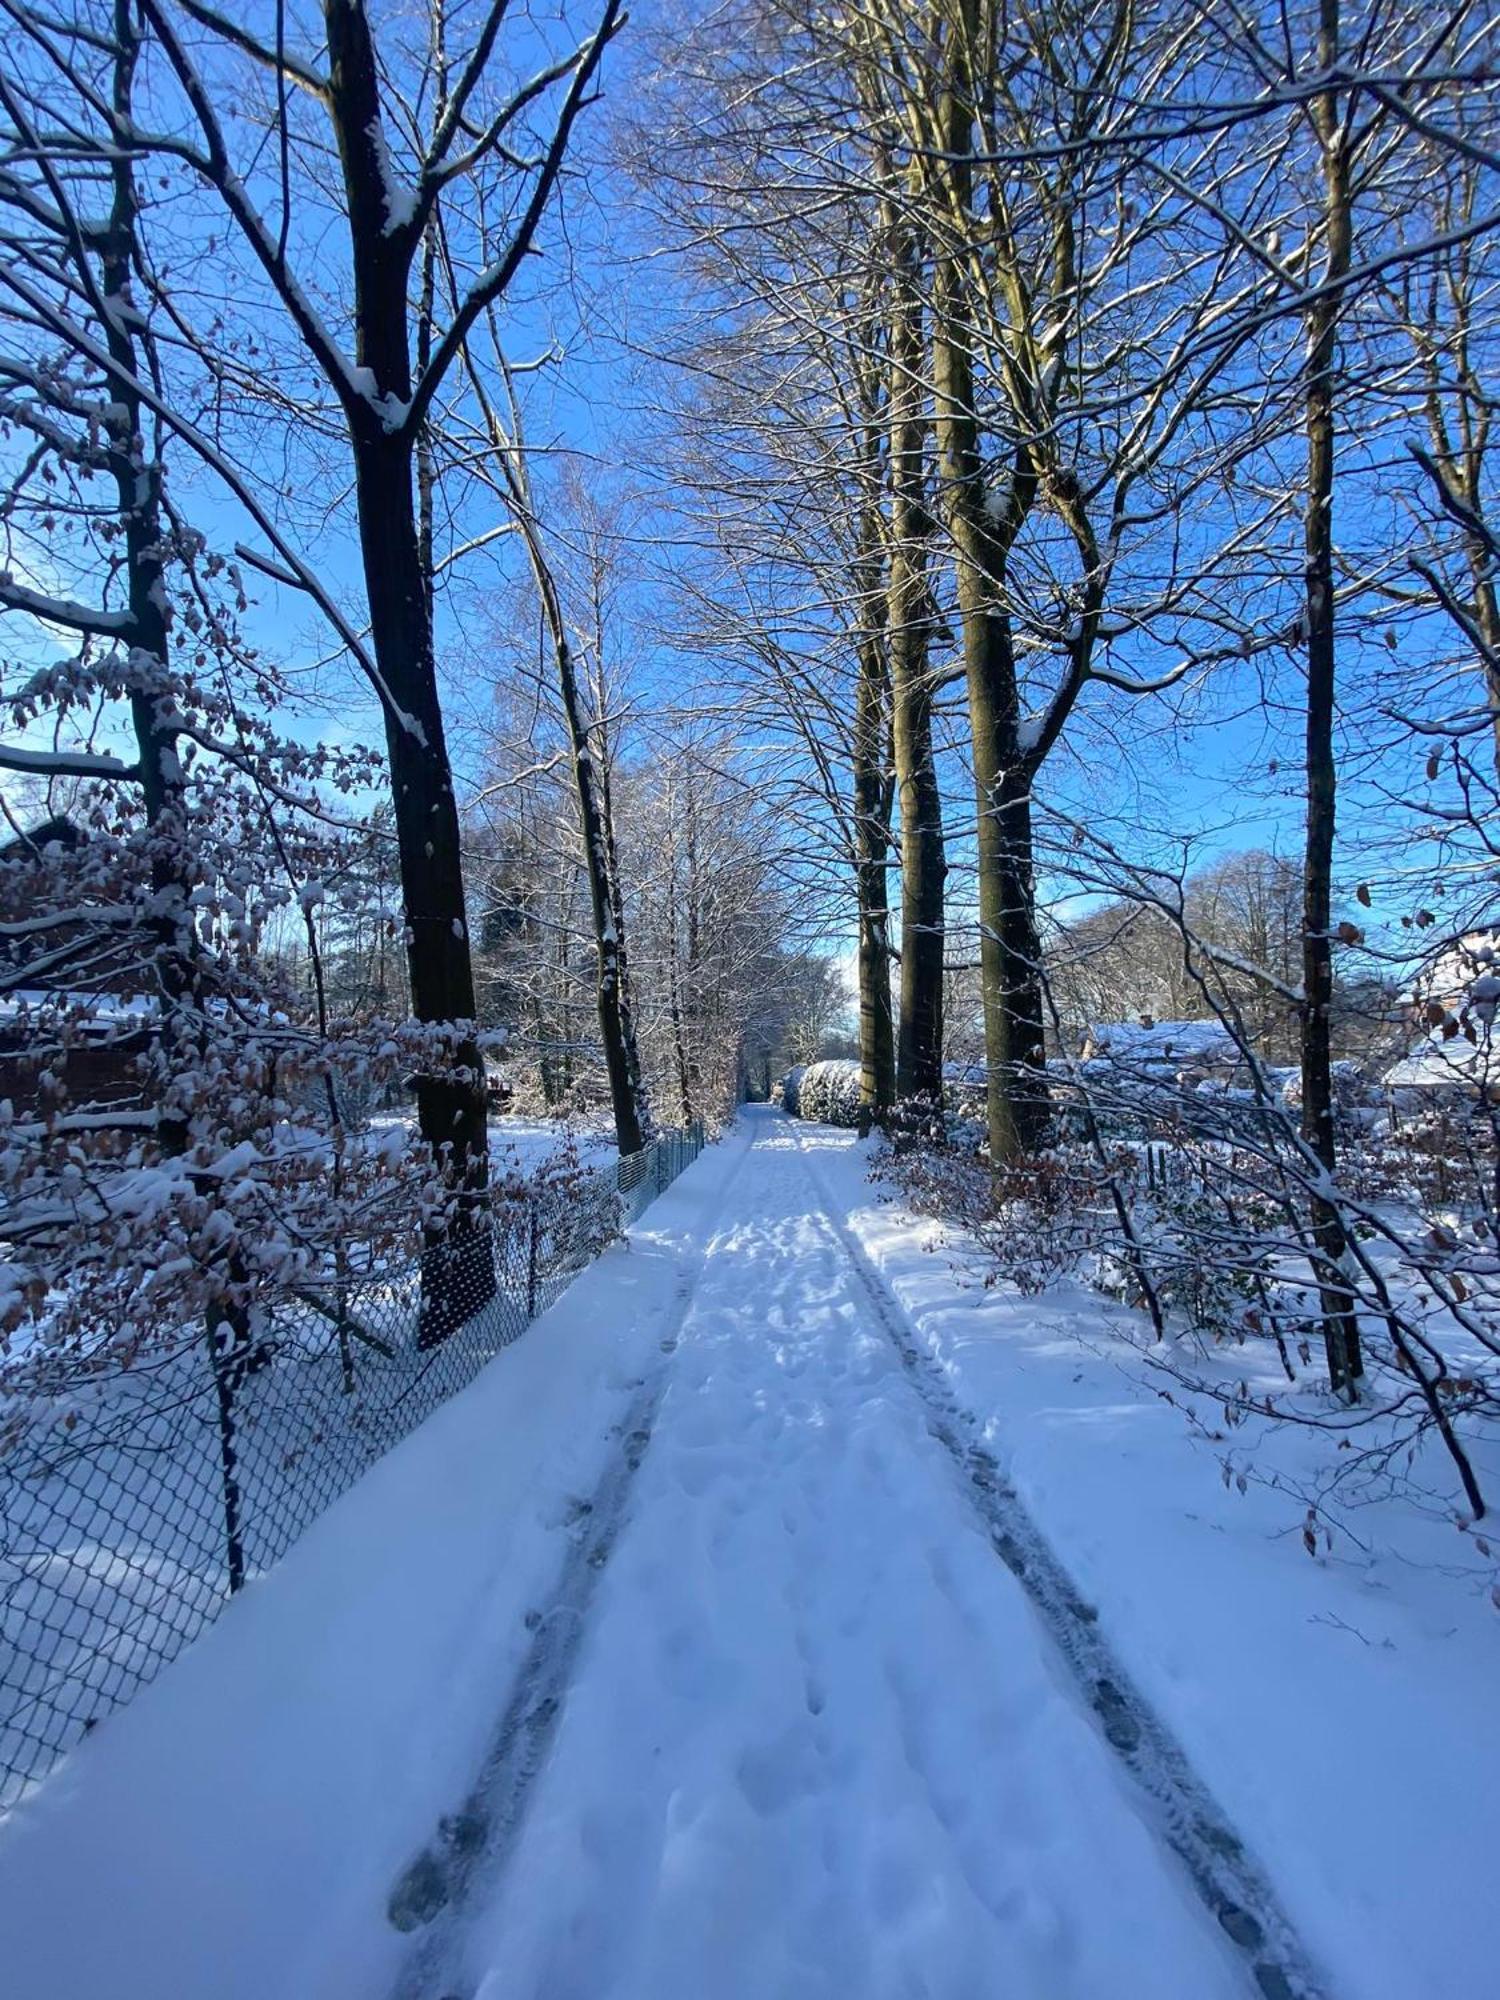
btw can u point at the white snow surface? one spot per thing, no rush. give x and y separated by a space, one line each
814 1743
528 1141
525 1143
1452 1064
1162 1041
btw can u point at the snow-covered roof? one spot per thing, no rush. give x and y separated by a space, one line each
1159 1042
1447 1064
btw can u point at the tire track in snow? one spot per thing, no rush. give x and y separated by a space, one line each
1226 1878
472 1843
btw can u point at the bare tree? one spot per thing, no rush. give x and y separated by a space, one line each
385 403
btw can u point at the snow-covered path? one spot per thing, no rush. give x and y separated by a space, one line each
813 1739
702 1648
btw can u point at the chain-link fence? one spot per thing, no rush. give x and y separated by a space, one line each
130 1517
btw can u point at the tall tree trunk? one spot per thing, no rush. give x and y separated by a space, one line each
565 989
451 1109
1009 950
674 967
919 1048
137 475
1340 1327
616 888
877 1049
679 1045
616 1028
692 969
590 782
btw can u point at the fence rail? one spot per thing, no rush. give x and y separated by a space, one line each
129 1519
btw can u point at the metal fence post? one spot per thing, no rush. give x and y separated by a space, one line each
221 1332
534 1231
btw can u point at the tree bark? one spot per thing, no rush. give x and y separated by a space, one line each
1340 1327
674 967
616 1028
451 1109
137 476
604 805
234 1353
877 1048
1009 951
612 996
919 1049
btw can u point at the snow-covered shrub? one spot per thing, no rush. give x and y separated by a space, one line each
1039 1218
916 1122
1200 1211
828 1093
183 1107
1210 1258
791 1085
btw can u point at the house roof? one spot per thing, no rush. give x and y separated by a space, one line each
1446 1064
58 831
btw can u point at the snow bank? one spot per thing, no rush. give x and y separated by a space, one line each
1339 1706
233 1834
524 1143
529 1141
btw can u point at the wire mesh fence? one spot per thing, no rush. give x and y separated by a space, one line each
133 1511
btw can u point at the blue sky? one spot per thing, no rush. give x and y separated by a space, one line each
1221 770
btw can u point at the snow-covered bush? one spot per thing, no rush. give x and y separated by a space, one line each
828 1093
1201 1216
183 1109
1040 1219
791 1086
168 1153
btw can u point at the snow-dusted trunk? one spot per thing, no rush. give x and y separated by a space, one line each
450 1097
674 971
919 1042
1340 1328
872 843
982 537
877 1052
616 1028
616 887
692 964
679 1042
450 1092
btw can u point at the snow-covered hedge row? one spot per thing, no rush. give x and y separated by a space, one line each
828 1093
791 1084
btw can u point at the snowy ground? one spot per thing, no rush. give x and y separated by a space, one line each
529 1141
524 1143
685 1656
